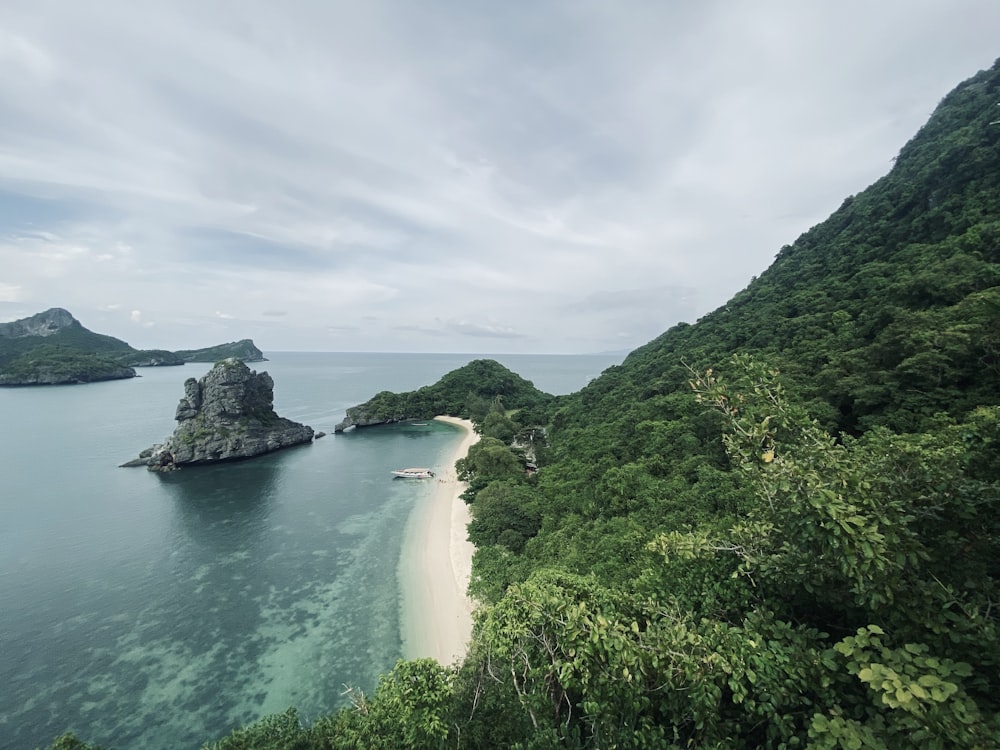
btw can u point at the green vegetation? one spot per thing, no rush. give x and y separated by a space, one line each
244 350
470 391
55 363
777 527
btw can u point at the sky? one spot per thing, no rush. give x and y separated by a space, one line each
444 175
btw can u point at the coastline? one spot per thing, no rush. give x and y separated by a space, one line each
436 565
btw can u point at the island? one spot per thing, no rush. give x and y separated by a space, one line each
53 348
469 391
227 415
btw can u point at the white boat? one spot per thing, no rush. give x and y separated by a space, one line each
413 473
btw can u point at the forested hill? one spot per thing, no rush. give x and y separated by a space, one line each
777 527
889 311
470 391
728 556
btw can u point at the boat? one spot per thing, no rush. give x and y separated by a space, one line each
413 473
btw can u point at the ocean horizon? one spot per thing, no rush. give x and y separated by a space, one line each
143 610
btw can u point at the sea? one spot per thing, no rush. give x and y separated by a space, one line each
155 611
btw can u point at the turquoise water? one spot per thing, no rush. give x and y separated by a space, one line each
157 611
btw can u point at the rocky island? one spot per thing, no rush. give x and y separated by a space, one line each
226 415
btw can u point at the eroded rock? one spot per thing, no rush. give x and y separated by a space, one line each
226 415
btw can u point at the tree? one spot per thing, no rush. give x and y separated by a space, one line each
410 708
488 460
504 513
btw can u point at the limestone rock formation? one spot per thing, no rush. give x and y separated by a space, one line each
363 416
226 415
41 324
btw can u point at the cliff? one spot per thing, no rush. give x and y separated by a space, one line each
226 415
41 324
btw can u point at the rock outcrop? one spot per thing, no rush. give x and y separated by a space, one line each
226 415
363 416
41 324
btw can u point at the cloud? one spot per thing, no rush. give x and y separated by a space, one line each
481 330
10 293
361 173
136 317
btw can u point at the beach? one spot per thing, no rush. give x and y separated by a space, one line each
436 565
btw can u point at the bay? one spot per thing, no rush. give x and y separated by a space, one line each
159 611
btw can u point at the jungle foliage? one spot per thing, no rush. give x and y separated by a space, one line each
777 527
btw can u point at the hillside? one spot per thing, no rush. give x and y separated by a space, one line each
470 391
776 527
53 348
771 558
244 350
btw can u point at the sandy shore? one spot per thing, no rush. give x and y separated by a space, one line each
436 565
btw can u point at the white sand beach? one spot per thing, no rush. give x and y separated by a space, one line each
436 565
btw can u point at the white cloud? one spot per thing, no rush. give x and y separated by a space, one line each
10 293
368 173
137 318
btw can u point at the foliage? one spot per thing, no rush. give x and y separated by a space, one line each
52 363
739 637
496 424
410 708
489 459
276 732
470 391
69 741
504 514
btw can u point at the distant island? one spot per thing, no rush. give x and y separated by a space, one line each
53 348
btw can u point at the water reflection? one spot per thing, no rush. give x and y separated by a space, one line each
227 505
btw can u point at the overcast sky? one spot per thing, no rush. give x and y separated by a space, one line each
442 176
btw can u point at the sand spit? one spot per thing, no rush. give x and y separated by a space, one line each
436 565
